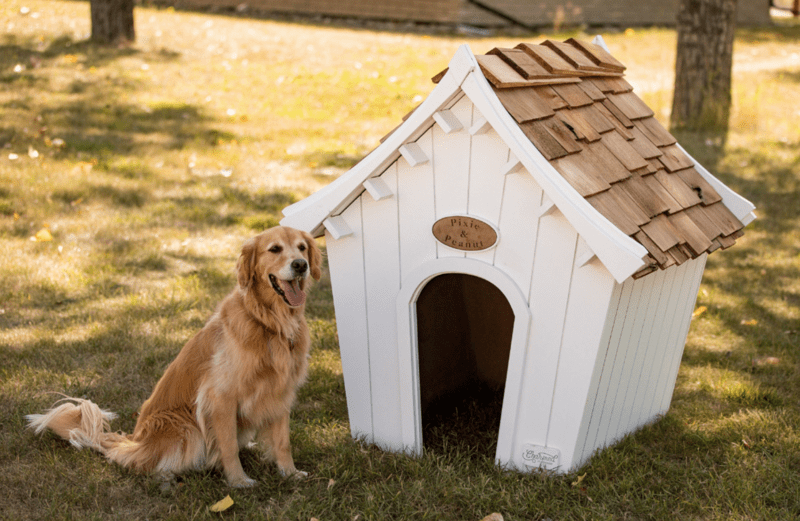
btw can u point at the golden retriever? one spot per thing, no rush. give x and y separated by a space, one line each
235 379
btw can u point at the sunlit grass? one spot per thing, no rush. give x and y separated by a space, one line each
150 165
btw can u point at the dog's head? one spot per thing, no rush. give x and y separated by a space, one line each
277 263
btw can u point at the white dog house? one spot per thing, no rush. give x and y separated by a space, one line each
529 225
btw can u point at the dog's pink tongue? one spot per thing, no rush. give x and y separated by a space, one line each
295 295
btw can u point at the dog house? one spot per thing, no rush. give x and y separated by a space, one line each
529 225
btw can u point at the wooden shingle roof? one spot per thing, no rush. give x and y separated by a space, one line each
571 100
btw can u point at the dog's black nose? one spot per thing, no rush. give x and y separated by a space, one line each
299 266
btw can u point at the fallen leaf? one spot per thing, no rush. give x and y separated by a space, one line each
580 478
222 504
699 311
751 322
331 482
746 443
42 235
493 517
767 360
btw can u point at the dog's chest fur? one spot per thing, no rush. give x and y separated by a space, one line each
262 369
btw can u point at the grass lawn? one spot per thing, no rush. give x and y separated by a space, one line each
130 177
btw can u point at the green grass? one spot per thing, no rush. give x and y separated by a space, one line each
155 162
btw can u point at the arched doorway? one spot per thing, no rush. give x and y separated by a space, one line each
465 326
413 283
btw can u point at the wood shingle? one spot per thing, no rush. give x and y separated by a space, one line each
570 99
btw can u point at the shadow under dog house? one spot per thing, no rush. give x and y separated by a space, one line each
529 225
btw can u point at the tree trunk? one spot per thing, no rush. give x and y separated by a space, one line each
703 65
112 21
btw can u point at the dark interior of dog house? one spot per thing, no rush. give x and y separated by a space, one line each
464 328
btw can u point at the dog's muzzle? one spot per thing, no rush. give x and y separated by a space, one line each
290 289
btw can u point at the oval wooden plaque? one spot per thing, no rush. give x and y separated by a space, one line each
465 233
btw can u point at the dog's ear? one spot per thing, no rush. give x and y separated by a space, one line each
314 256
246 265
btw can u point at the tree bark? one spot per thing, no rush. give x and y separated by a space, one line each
112 21
703 65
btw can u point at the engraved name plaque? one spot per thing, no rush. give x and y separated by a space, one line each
465 233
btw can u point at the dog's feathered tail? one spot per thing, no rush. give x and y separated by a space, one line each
85 425
80 422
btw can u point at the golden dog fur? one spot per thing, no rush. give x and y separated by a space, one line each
235 379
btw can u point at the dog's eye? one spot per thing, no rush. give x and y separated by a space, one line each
275 249
302 247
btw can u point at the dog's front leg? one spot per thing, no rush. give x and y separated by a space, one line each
274 440
223 422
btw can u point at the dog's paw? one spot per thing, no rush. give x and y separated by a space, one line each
243 482
294 474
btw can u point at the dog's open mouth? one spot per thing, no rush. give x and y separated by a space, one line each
289 290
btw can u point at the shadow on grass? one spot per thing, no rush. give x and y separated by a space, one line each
753 282
778 33
31 54
787 76
673 457
92 115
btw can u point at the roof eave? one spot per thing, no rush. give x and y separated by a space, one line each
738 205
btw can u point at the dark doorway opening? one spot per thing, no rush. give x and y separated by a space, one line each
464 330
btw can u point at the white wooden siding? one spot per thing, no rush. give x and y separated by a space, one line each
638 364
416 210
684 318
381 245
488 155
590 293
555 248
519 227
451 168
345 259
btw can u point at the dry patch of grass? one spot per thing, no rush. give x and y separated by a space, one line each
149 166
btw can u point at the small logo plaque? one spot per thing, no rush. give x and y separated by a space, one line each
466 233
541 457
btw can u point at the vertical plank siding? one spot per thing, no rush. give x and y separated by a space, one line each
696 268
451 169
644 368
641 358
381 246
519 225
417 209
488 154
591 292
346 257
556 243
